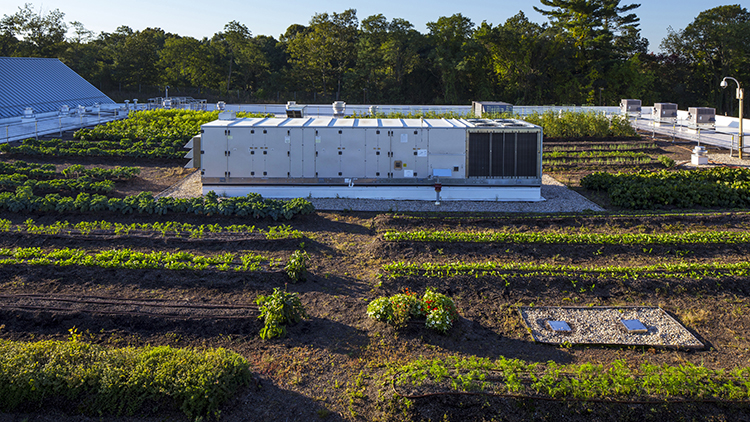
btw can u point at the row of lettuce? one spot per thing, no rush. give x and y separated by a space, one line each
252 205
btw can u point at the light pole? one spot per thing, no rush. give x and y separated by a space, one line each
740 96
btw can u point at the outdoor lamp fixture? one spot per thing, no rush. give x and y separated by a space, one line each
740 96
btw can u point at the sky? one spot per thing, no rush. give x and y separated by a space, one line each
201 18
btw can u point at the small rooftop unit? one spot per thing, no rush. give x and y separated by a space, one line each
630 107
665 112
701 118
480 108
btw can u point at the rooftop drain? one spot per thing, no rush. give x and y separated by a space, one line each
559 326
634 326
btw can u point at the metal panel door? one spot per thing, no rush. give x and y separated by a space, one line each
214 150
403 150
352 152
327 148
296 140
239 160
421 157
309 146
255 146
276 152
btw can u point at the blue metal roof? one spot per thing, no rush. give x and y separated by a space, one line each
44 85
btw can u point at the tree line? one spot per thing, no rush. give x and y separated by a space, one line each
589 52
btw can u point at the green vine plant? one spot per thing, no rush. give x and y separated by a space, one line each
277 310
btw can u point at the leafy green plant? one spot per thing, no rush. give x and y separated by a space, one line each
296 268
439 310
277 310
668 162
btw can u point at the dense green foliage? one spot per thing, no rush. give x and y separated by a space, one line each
277 310
438 309
130 259
589 52
618 381
715 187
100 381
24 200
569 124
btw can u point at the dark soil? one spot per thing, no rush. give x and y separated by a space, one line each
333 365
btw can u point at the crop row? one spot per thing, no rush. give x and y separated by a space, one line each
525 270
60 148
705 237
617 381
596 154
599 161
621 146
174 228
100 381
714 187
24 200
127 258
47 171
82 184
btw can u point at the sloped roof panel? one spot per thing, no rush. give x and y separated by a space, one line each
44 85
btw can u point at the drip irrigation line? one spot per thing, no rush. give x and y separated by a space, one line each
104 300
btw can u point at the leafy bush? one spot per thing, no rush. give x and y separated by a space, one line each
103 381
568 124
715 187
439 310
277 310
296 268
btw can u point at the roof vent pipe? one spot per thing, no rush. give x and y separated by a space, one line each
339 108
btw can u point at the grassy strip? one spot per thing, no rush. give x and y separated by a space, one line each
127 258
707 237
100 381
174 228
516 269
617 381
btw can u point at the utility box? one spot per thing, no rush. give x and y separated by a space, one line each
492 159
665 112
630 106
701 118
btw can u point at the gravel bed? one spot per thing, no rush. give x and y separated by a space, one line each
601 325
558 198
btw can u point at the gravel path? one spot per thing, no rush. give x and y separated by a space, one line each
558 199
602 326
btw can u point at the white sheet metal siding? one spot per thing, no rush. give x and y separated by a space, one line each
44 85
375 151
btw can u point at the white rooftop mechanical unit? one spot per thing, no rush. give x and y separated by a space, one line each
665 112
630 107
701 118
325 157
